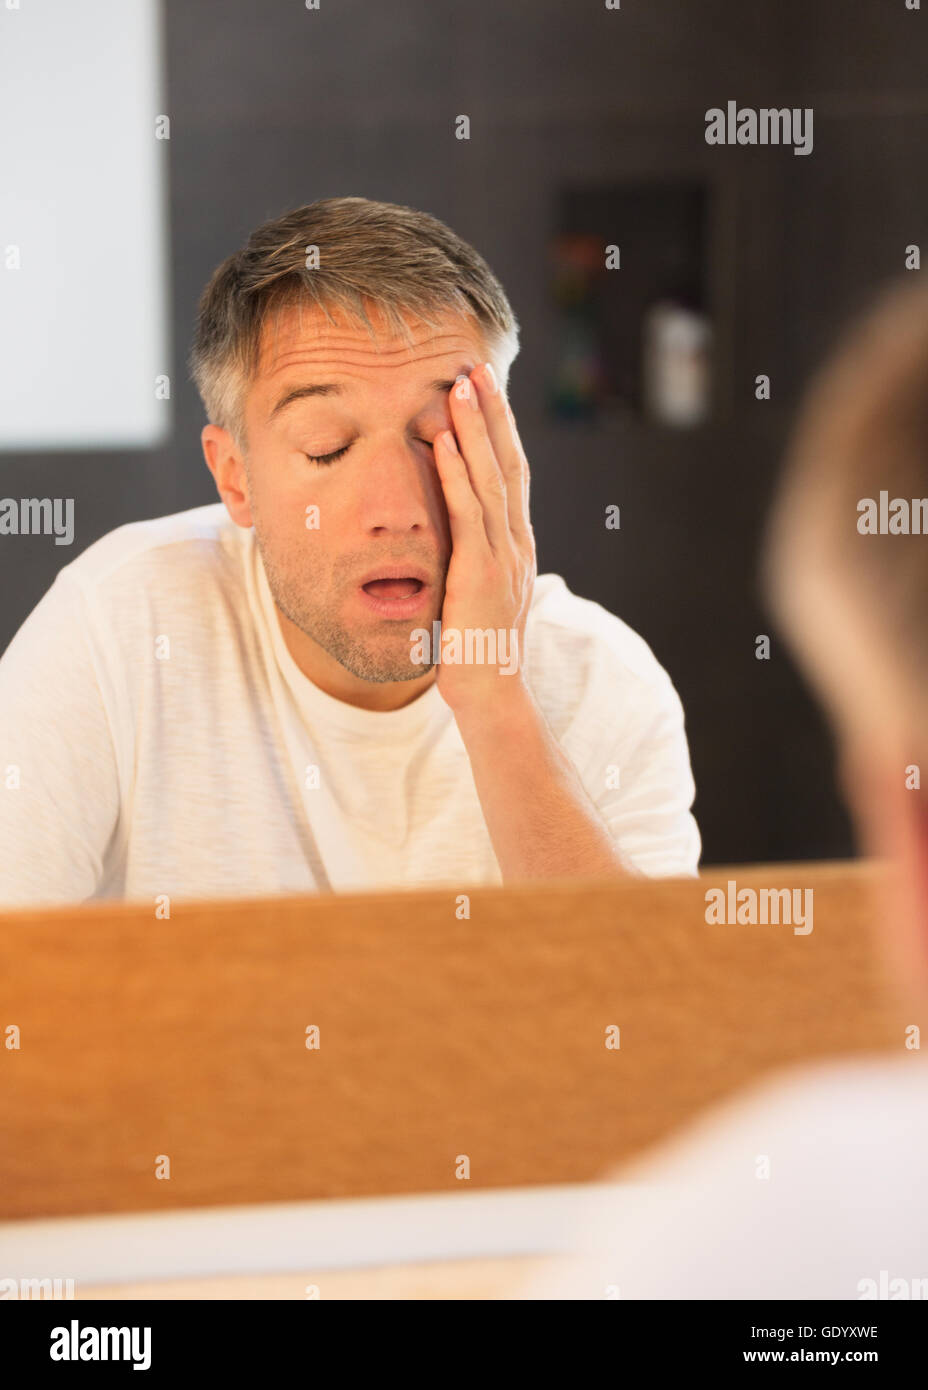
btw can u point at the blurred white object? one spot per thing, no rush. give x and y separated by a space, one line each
811 1185
83 283
676 364
351 1233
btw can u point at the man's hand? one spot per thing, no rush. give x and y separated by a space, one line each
540 818
484 474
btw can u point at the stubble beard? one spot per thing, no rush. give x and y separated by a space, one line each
380 661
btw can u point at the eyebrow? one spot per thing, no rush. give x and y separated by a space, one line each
330 388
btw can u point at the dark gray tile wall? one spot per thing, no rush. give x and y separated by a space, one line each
272 105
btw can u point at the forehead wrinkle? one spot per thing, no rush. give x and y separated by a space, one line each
346 363
356 343
414 352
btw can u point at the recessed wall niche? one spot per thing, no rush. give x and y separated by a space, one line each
629 282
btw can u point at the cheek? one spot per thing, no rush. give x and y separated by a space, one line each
296 501
438 511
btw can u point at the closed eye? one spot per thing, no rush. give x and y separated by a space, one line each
325 459
329 458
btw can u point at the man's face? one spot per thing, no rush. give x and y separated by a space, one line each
375 568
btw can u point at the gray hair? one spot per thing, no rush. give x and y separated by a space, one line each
393 257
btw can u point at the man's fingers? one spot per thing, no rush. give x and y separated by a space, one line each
486 476
507 446
465 511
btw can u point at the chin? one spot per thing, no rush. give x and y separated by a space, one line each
394 675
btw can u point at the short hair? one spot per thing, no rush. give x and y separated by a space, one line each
862 430
383 254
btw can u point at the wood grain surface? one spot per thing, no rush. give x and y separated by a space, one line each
440 1037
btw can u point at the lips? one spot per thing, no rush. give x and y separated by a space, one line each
392 588
396 591
400 569
402 580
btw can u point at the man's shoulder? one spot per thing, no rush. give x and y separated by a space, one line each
806 1186
852 1111
179 544
565 628
874 1102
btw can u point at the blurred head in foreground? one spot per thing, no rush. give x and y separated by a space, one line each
846 570
845 1212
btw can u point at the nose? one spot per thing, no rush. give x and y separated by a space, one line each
400 490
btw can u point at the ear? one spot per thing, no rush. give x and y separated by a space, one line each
227 465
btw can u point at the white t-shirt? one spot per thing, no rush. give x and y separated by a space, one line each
813 1185
157 737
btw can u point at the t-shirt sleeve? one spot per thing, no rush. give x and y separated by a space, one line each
647 790
59 783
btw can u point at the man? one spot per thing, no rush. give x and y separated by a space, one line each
255 696
843 1213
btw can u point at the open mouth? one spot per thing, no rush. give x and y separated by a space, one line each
392 588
